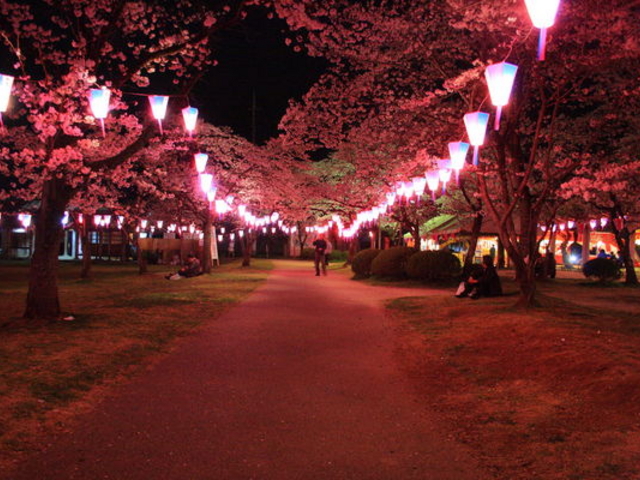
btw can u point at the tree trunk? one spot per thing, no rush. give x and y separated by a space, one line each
86 252
527 284
207 261
42 298
415 232
142 259
246 251
6 231
623 239
586 240
476 228
125 245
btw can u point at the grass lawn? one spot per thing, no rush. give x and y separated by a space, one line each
48 374
551 393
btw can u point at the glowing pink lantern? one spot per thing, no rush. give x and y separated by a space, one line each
25 220
201 161
603 222
6 82
543 15
433 180
206 181
571 224
593 224
476 125
99 103
143 224
444 173
241 233
160 223
159 108
391 198
418 184
190 117
97 220
211 194
106 219
220 238
500 77
458 152
562 226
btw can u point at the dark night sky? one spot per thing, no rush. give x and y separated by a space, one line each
253 57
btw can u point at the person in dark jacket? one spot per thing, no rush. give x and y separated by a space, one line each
320 246
191 269
487 284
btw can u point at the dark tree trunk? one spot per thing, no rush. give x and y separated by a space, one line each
42 298
142 259
246 250
125 245
623 239
527 284
476 228
86 252
6 228
207 261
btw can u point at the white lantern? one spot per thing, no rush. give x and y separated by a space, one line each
190 117
201 161
206 181
476 125
211 194
99 103
25 220
6 82
433 180
500 78
160 223
159 108
458 152
543 15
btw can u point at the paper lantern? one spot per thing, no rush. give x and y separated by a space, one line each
25 220
6 82
206 181
99 103
476 125
220 238
143 224
543 15
418 184
97 220
500 78
458 153
106 220
190 117
444 173
160 223
593 224
433 180
211 194
201 161
571 224
159 108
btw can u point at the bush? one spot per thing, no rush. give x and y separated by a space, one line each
308 253
391 262
604 269
433 265
338 256
361 264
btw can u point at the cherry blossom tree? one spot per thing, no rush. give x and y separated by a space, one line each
53 148
404 73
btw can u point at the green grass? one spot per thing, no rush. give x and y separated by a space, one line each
122 319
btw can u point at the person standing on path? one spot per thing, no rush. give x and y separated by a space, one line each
320 246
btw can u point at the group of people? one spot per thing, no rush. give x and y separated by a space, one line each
191 268
482 283
611 256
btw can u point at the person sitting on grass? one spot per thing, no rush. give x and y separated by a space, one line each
487 284
190 269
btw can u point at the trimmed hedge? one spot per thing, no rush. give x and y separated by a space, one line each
604 269
338 256
361 264
433 265
391 262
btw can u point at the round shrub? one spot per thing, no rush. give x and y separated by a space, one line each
603 269
361 264
391 262
308 253
433 265
338 256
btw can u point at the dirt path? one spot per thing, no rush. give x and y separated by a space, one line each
298 382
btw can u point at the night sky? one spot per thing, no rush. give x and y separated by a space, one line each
252 57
